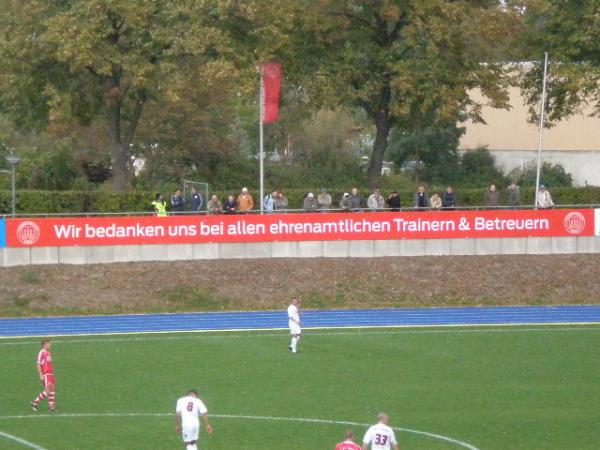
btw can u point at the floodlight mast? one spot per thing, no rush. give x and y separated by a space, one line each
13 161
542 114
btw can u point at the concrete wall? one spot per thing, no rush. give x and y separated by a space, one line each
308 249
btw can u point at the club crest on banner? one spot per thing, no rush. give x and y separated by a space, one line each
28 232
574 222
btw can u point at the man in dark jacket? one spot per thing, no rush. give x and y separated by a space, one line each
230 206
491 198
514 196
355 200
421 198
195 200
177 202
449 198
394 201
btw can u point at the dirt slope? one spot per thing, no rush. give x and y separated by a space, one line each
323 283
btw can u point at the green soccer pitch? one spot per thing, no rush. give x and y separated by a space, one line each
498 388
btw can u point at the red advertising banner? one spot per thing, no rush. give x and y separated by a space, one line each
189 229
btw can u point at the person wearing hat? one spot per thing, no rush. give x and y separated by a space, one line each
346 202
244 201
324 200
310 203
543 199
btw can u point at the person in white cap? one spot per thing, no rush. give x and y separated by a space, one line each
244 201
346 202
543 198
310 203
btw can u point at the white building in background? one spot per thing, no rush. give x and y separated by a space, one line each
573 142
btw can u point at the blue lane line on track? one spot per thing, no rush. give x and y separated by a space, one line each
149 323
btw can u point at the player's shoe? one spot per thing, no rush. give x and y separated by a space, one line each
52 411
34 407
290 347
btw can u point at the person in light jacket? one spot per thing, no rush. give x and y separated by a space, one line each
376 201
543 199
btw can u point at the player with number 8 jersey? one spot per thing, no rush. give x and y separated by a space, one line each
380 436
188 411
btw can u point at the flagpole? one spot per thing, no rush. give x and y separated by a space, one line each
543 110
261 140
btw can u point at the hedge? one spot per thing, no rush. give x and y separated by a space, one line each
94 202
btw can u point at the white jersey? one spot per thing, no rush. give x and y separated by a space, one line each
380 436
293 313
190 409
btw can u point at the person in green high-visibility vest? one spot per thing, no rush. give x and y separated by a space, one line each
160 206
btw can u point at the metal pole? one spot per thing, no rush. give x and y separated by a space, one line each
12 172
261 142
543 110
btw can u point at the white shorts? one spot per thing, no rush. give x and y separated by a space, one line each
294 328
189 432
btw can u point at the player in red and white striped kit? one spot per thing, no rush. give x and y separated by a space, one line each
348 443
46 373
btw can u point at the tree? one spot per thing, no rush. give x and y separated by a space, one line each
553 175
408 64
569 30
99 57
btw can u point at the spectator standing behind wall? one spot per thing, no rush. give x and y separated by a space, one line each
543 198
491 198
394 201
269 201
345 202
324 200
310 203
355 199
375 202
177 202
435 201
160 206
421 198
514 196
195 200
214 205
449 198
281 202
245 202
230 205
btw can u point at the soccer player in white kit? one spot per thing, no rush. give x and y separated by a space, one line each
188 411
380 436
294 324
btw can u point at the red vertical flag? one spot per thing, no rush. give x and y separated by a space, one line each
271 86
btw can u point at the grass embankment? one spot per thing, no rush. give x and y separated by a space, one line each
322 283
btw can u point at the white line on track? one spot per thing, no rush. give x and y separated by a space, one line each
230 416
21 441
219 334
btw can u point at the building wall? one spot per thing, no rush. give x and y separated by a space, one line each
12 256
573 142
584 166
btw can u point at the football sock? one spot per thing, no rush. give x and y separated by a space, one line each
294 341
51 399
39 398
